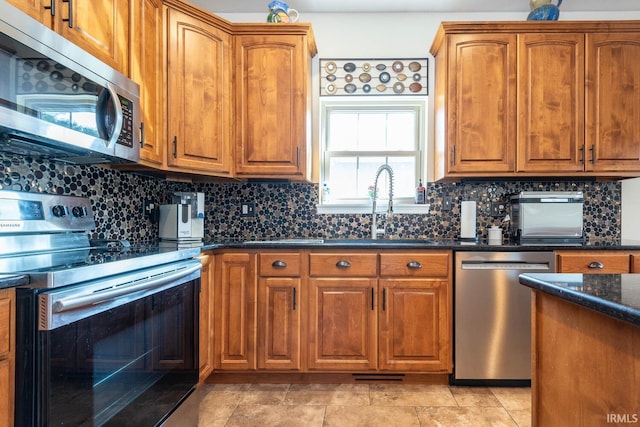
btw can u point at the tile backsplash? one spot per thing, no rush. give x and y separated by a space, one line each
287 210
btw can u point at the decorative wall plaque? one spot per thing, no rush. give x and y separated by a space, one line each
405 76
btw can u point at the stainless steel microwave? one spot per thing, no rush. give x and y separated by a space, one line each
58 101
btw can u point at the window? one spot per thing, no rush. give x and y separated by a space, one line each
360 135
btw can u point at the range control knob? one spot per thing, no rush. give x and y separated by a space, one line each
77 211
58 211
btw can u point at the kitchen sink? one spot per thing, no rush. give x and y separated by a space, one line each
378 242
285 242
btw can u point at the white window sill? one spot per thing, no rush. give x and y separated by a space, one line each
381 207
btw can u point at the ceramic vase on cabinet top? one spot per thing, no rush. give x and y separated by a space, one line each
544 10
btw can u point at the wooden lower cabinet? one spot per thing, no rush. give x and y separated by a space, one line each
235 311
635 263
334 311
206 316
343 324
279 323
397 320
7 355
414 325
593 262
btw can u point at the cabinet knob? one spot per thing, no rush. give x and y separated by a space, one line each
414 264
595 264
343 264
279 264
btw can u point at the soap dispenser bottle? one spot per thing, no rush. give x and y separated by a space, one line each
421 194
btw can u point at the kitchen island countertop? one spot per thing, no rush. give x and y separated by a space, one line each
615 295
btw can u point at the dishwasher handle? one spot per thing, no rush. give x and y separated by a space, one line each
505 265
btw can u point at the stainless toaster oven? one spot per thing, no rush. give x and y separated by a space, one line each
541 217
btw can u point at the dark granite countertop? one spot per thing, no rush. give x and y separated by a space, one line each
616 295
306 243
12 280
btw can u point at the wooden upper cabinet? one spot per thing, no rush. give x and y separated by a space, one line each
273 100
550 103
526 99
99 27
198 95
480 103
37 9
613 102
146 65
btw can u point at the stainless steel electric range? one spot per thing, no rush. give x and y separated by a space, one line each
106 332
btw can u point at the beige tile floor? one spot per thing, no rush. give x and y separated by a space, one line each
370 405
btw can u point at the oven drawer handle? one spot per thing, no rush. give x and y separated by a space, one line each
74 303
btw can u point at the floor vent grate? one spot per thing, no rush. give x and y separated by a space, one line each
379 377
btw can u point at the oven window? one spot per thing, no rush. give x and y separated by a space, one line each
127 366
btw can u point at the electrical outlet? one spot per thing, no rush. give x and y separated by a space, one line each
248 209
497 209
447 203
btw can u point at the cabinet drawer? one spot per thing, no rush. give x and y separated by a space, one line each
279 264
593 263
343 264
414 264
635 263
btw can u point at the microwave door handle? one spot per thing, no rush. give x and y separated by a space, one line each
101 111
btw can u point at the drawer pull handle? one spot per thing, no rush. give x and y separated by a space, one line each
596 264
279 264
343 264
414 264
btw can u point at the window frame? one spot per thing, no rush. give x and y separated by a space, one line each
381 104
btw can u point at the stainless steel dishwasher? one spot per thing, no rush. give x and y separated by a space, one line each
492 315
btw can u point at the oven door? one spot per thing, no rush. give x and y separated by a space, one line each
107 354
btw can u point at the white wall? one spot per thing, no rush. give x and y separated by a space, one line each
631 209
388 35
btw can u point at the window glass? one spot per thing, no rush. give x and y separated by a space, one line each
358 137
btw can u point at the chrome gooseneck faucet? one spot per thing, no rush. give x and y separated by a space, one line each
374 227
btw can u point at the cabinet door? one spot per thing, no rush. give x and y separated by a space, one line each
343 329
146 70
99 27
7 355
278 323
37 9
481 103
199 78
550 103
206 317
235 311
613 102
271 94
415 325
